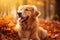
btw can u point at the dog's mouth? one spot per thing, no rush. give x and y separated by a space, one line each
23 19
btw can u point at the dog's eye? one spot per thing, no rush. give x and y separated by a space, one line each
26 9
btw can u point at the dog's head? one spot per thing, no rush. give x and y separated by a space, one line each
26 12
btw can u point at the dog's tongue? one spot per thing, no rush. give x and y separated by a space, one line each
20 20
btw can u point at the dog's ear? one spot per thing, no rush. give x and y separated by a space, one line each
36 12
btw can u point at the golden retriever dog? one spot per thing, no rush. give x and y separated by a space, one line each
28 25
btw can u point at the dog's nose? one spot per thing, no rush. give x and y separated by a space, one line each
19 14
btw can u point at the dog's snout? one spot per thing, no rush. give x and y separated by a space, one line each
19 14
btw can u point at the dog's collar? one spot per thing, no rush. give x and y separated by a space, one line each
29 28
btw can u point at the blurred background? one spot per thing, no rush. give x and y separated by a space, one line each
48 8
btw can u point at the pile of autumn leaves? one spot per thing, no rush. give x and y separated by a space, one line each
6 29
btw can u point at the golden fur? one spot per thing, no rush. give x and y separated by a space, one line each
29 29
